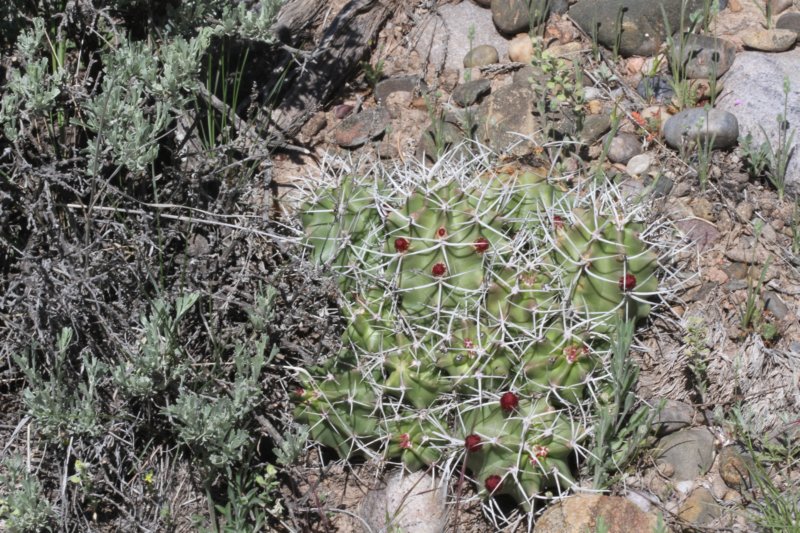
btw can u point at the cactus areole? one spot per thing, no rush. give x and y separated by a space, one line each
478 307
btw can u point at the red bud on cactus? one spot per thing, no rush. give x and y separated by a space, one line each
539 453
401 244
558 222
571 353
473 443
481 244
492 483
441 232
627 282
439 269
509 401
405 441
299 392
470 347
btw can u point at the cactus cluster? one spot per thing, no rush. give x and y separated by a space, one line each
479 307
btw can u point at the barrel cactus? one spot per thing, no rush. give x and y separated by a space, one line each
479 306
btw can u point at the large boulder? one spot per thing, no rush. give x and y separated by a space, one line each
643 28
754 88
444 38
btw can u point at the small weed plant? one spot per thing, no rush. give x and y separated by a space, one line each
697 353
771 159
795 226
622 427
774 506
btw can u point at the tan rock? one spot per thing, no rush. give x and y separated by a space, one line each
580 513
734 468
634 64
702 208
774 40
700 508
566 51
594 107
520 49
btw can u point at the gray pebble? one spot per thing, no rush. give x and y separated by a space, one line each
623 147
697 124
479 56
470 92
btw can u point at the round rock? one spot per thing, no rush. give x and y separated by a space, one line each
642 30
514 16
774 40
479 56
734 468
689 451
639 164
789 21
705 56
697 124
520 49
623 147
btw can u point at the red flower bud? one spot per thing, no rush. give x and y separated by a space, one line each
509 401
481 244
401 244
627 282
439 269
473 443
492 483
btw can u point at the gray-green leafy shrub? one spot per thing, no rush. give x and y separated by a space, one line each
127 114
23 506
125 359
61 404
